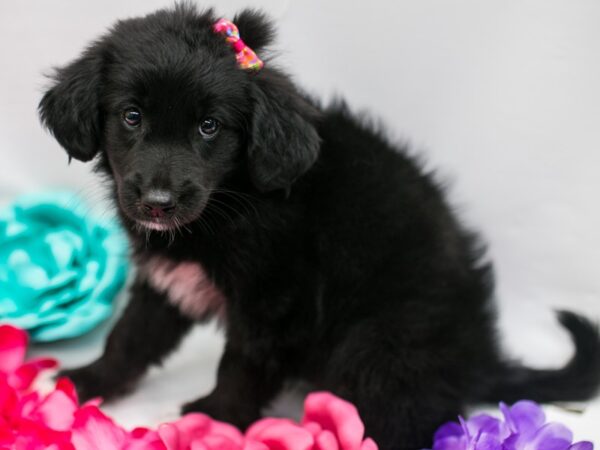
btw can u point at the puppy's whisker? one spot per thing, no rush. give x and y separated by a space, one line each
237 201
241 198
210 207
228 206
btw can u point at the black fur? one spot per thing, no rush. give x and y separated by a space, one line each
339 258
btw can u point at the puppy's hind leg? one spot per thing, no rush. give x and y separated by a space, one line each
399 398
148 330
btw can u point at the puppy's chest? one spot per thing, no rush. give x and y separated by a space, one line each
186 285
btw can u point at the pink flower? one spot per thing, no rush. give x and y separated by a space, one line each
199 432
13 368
93 430
279 434
56 421
29 420
332 419
24 417
329 423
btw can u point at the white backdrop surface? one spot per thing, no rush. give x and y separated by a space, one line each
502 97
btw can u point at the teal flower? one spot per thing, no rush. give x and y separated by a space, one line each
60 267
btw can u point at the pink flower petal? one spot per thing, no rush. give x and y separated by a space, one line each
169 435
13 344
23 376
7 437
220 442
197 445
28 403
56 421
196 428
369 444
280 434
144 439
227 431
180 434
336 415
326 440
8 399
57 410
34 435
68 388
96 401
92 430
193 423
313 428
254 445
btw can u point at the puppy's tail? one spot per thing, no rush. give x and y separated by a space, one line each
578 380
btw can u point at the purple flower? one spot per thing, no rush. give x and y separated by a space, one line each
524 428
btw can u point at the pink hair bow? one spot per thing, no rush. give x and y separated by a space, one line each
245 56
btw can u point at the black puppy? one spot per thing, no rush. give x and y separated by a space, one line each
328 253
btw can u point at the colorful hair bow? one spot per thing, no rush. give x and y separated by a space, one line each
245 56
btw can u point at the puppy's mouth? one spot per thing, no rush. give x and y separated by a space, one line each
160 211
158 224
165 222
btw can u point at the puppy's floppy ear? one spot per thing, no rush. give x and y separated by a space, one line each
255 28
70 109
283 141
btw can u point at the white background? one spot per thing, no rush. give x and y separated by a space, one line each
503 97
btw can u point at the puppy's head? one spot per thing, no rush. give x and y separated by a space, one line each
162 104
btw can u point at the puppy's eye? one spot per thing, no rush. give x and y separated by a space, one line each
132 117
209 127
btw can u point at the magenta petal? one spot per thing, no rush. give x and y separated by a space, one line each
25 375
13 344
198 445
280 434
336 415
8 400
180 434
254 445
200 431
326 440
31 435
312 427
369 444
258 427
92 430
227 431
169 435
57 411
220 442
144 439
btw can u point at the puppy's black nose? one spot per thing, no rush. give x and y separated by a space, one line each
157 203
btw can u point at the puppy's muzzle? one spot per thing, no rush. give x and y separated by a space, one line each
158 204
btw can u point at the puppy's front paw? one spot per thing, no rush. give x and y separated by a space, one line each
97 380
239 415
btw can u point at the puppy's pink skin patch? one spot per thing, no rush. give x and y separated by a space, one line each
187 286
